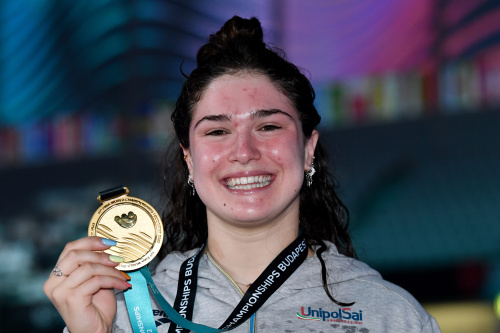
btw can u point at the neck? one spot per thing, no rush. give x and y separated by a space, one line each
244 253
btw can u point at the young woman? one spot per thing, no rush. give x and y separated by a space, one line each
248 177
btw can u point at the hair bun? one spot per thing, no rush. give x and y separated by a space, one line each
234 32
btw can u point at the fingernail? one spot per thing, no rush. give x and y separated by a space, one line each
128 284
108 242
116 258
126 275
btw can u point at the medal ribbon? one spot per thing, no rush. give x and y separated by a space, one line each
278 271
139 307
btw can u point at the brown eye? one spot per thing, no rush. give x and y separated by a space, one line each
268 128
217 132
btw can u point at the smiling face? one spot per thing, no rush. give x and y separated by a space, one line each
247 153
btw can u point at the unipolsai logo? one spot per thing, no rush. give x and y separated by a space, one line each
341 315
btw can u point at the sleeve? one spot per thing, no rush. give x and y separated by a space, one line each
431 326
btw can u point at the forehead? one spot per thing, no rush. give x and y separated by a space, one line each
241 94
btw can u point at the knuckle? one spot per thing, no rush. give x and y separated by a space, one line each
87 266
47 289
57 295
99 279
69 246
72 254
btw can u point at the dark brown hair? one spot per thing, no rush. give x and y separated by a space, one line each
239 47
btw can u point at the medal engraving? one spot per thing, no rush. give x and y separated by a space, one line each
134 225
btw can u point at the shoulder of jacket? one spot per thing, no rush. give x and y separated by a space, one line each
396 297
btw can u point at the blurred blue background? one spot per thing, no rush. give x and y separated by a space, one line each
409 93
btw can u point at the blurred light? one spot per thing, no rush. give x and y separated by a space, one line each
497 306
464 317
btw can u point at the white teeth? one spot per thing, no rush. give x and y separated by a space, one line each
247 183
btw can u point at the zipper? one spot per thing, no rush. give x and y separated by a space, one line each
252 318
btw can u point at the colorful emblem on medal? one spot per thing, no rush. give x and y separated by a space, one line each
132 223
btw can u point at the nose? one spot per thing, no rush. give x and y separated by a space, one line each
245 149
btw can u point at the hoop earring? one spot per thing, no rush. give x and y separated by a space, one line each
309 174
191 183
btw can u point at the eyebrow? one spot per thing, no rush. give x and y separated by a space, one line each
253 115
214 117
267 113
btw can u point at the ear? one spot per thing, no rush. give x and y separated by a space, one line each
309 149
188 159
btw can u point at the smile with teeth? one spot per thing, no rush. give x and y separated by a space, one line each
247 183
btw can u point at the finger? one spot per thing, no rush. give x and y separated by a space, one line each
87 249
76 258
75 254
88 270
86 282
95 292
92 243
99 282
84 293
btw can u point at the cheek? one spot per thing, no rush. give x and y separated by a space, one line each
207 157
286 151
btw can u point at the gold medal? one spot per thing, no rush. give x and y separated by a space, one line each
132 223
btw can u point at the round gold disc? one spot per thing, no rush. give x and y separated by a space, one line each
134 225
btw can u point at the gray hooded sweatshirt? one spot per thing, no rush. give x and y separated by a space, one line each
300 304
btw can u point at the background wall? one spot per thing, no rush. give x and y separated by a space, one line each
408 92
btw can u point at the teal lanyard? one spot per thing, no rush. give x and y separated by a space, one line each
141 312
139 304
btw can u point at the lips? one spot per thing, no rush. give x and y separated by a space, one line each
247 183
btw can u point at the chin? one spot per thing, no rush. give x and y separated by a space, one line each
247 218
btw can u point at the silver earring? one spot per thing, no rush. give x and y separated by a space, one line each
309 174
191 183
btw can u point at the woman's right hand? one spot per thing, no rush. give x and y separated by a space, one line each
84 295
